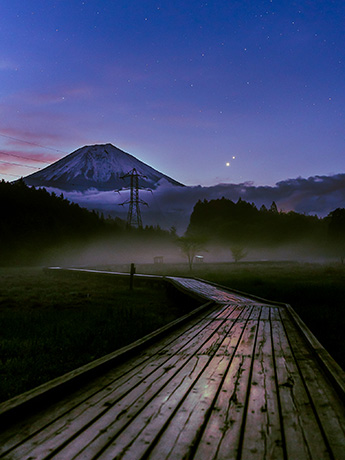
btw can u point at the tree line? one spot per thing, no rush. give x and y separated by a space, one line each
34 221
242 224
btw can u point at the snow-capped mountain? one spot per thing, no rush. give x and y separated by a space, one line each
97 166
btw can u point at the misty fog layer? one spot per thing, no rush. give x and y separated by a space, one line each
42 228
172 206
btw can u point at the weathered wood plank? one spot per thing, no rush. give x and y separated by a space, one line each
262 431
221 436
241 381
224 312
98 415
206 350
145 429
330 413
212 292
303 438
181 436
101 387
334 371
151 419
112 428
100 364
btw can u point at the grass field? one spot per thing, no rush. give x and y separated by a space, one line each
51 325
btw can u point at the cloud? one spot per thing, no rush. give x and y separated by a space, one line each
19 157
18 136
173 205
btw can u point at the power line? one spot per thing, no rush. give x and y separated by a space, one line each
20 156
32 143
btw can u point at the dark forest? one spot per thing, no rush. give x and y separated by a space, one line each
34 221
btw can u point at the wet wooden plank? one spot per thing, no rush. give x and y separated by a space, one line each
105 428
212 292
221 436
103 405
334 371
302 435
94 413
241 381
182 436
101 387
146 428
324 398
262 436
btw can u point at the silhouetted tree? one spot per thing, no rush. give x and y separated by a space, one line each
336 231
190 246
244 225
274 208
238 253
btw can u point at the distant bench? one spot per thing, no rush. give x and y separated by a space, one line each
239 377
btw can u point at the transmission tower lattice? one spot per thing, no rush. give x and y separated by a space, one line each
134 215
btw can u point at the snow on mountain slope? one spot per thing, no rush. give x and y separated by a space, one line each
96 166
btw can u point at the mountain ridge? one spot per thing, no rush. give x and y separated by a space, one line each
98 166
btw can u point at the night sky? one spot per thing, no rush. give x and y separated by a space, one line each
206 92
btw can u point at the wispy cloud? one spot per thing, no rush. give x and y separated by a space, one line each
18 136
318 195
34 156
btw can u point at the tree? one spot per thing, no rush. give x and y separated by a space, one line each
238 253
274 208
190 246
336 231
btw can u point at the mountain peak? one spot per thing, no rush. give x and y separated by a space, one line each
99 166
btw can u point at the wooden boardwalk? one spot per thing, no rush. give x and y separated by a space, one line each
240 379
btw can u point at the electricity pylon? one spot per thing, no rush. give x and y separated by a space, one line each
134 215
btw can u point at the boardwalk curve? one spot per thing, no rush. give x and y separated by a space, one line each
240 378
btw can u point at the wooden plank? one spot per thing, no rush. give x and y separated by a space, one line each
104 387
220 311
99 414
213 344
262 431
303 438
32 397
156 396
327 406
88 421
238 384
223 311
101 387
156 410
181 436
212 292
332 368
221 436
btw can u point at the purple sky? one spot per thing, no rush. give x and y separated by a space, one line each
184 86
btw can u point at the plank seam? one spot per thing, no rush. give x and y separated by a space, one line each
278 393
164 426
246 404
308 392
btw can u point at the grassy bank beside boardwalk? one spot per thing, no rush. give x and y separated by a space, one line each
50 325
